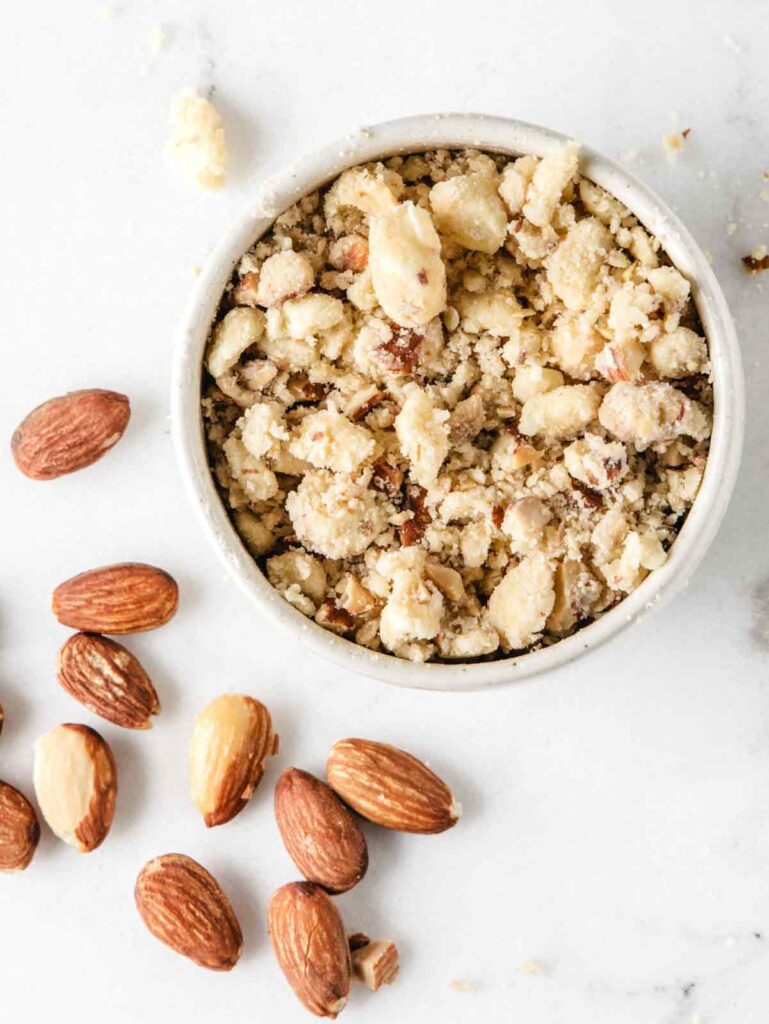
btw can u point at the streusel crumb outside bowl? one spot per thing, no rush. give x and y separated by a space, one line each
507 136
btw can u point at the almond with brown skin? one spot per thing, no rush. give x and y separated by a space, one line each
76 785
108 680
126 598
19 829
69 432
321 835
390 787
185 907
231 741
310 944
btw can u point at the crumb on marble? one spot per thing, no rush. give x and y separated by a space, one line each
732 44
533 967
157 37
458 985
757 260
196 146
673 142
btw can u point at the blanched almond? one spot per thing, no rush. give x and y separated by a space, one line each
76 785
231 741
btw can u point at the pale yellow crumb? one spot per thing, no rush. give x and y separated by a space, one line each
673 142
196 270
763 195
732 44
731 228
461 986
532 967
157 37
758 252
196 146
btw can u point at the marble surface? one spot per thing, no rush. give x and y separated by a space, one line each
613 862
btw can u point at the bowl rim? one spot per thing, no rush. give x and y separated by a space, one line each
495 134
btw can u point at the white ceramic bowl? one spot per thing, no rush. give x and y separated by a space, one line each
415 134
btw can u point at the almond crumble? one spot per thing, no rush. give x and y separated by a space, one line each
457 403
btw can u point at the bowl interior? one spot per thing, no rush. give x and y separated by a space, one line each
512 138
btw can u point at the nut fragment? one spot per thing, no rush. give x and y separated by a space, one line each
321 835
231 741
125 598
69 432
76 784
390 787
108 680
19 829
375 963
310 945
185 907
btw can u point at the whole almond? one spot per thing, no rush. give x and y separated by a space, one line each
231 741
390 787
19 829
69 432
108 680
126 598
76 784
185 907
322 837
310 944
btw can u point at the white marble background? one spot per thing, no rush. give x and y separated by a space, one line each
613 864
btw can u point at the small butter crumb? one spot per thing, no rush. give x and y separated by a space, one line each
196 145
157 38
461 986
196 270
731 227
532 967
673 142
763 195
732 44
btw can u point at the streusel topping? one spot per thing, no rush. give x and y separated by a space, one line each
458 403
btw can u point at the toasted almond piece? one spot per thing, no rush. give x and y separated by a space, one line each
69 432
126 598
321 835
310 945
231 741
108 680
390 787
186 908
375 963
447 580
19 829
76 784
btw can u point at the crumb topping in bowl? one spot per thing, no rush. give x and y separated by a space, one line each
458 403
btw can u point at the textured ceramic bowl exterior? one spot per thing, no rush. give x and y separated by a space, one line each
410 135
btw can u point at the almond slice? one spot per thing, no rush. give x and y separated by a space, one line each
186 908
126 598
69 432
76 785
